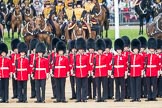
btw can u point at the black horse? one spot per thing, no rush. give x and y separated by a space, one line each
144 10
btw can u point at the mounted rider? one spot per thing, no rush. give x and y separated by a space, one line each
2 12
28 4
60 6
47 9
38 7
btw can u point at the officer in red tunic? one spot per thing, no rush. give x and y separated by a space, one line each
5 71
13 57
136 69
120 68
71 58
126 53
82 69
153 66
159 53
32 56
143 42
41 72
101 70
109 56
51 59
61 71
91 80
22 72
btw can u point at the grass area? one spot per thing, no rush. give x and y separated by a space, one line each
131 33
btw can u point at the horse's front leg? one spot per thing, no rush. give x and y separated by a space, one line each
141 26
13 32
19 32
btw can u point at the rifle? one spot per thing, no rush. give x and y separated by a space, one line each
113 62
54 61
129 63
94 63
74 67
145 63
34 64
16 66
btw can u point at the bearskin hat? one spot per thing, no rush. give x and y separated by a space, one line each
126 41
108 43
152 43
80 44
159 44
119 44
54 42
71 45
90 43
3 48
22 47
61 46
41 47
79 2
143 41
33 43
100 44
14 43
135 44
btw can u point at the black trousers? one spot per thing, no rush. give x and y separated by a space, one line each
73 88
40 86
22 90
91 87
110 88
53 84
32 83
4 88
60 89
81 88
14 87
151 87
160 86
102 80
143 87
127 88
135 87
119 88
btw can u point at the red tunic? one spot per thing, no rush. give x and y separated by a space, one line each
5 67
13 57
109 60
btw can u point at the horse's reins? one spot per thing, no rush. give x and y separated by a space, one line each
28 29
29 13
97 14
143 11
43 28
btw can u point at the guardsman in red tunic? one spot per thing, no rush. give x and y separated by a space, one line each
32 56
101 70
144 53
41 72
5 71
159 53
61 70
136 69
71 58
13 57
119 73
91 80
109 55
82 69
126 53
51 59
22 72
153 67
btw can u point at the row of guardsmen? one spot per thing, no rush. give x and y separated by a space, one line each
137 73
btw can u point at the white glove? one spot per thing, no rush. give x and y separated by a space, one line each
14 75
51 72
160 72
47 75
29 76
126 74
109 72
68 74
72 72
32 76
10 75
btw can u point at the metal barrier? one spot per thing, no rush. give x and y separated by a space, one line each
125 18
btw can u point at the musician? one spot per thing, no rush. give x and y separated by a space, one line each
51 59
82 69
32 57
136 68
14 55
153 67
120 70
91 81
101 70
22 72
109 56
47 9
61 70
126 53
41 72
88 6
72 59
60 6
5 73
143 51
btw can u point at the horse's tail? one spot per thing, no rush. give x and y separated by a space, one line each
1 35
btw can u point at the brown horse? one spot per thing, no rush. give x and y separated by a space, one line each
28 32
100 15
1 32
43 30
154 29
76 32
28 14
16 21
